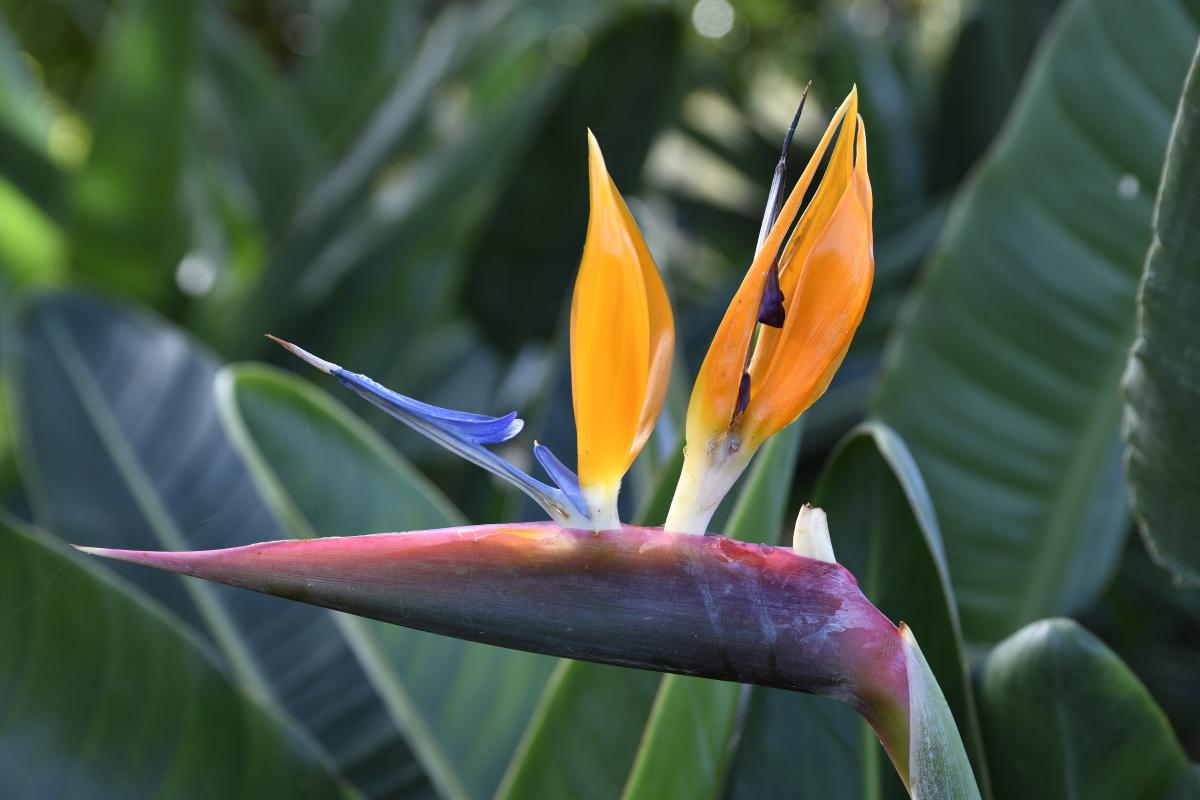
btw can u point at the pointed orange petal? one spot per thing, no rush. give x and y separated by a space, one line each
621 327
661 338
716 389
831 289
837 178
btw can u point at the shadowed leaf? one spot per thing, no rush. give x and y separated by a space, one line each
1063 717
1162 381
95 679
1004 378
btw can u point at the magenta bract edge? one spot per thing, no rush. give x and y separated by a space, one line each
639 597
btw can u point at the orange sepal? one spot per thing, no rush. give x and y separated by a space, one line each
829 293
715 392
622 336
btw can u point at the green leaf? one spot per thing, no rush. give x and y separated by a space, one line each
23 111
104 694
981 77
337 272
252 115
33 250
584 735
1162 381
25 121
323 471
119 444
1004 380
462 706
657 500
1063 717
31 172
336 196
527 240
938 768
808 746
361 44
125 221
884 531
693 720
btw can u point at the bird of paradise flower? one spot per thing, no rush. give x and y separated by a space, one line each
586 586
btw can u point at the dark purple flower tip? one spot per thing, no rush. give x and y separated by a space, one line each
770 306
743 398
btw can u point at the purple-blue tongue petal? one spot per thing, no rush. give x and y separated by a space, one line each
460 432
475 428
562 476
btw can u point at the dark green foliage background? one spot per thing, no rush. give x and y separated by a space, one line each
400 187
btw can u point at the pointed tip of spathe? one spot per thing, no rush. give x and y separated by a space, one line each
325 366
132 556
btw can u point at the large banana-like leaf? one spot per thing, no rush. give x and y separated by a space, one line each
1162 382
461 706
105 694
119 443
1064 718
1004 379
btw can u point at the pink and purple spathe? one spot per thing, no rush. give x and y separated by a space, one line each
638 597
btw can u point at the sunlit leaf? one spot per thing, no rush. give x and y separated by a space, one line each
125 219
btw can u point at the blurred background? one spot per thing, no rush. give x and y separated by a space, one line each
400 187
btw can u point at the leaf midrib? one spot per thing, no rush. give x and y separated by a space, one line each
1090 456
147 501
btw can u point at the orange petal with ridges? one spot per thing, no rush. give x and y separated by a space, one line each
830 292
661 336
835 183
622 336
715 392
